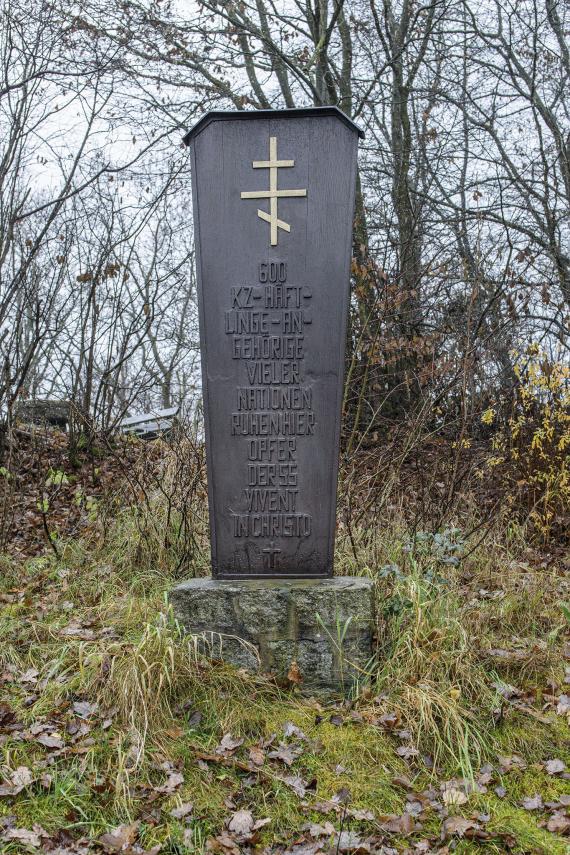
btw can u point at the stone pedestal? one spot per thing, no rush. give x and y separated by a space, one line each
324 626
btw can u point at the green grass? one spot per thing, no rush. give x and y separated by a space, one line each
130 657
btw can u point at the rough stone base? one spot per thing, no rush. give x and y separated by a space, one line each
325 626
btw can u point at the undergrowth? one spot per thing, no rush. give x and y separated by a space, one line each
468 652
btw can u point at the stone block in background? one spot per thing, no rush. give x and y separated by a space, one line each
324 626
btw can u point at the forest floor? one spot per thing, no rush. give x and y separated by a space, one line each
116 736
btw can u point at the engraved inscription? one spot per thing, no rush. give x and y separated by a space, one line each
274 372
274 398
272 347
272 474
273 411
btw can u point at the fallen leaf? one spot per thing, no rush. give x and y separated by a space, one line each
84 709
328 806
172 783
508 692
241 823
295 783
305 848
222 843
183 811
514 762
286 753
195 719
294 675
24 835
395 824
51 740
75 630
485 778
533 802
228 745
39 727
406 751
290 729
555 767
512 655
350 841
120 838
7 715
174 732
46 780
458 826
389 720
402 781
559 823
20 778
361 814
325 830
343 797
256 755
414 808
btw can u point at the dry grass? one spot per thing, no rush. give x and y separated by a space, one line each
433 670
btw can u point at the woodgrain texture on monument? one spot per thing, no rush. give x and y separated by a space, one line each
273 209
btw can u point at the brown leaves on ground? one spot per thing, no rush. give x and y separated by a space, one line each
294 675
51 740
559 823
228 745
120 839
123 840
533 802
341 831
279 765
458 826
184 811
17 781
35 454
175 779
286 753
555 767
242 824
256 755
242 829
84 709
31 838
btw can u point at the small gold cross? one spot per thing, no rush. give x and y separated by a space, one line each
273 193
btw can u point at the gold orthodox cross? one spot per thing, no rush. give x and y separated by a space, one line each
273 194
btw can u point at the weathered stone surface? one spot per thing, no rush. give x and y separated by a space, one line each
273 198
325 626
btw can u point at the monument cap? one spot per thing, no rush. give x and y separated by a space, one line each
293 113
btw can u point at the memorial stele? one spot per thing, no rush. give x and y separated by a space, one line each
273 201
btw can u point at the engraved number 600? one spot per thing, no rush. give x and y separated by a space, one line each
272 271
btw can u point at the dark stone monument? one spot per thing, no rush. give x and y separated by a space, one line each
273 209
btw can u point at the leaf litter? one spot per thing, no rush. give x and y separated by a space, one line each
268 762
